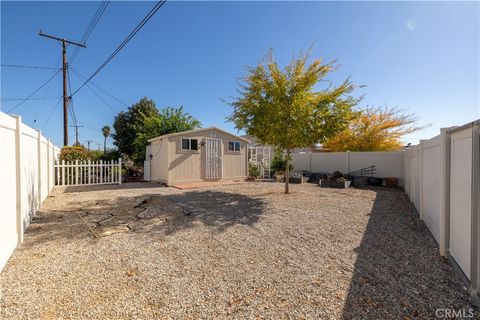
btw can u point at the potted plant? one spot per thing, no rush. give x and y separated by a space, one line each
253 171
337 180
391 182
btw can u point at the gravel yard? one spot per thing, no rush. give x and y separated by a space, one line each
236 251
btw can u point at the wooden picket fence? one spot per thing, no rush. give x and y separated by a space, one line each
70 173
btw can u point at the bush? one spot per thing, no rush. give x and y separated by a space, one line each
279 163
75 153
253 171
80 153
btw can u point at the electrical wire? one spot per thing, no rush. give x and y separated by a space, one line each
27 67
40 106
93 23
34 92
51 113
95 93
83 78
18 99
152 12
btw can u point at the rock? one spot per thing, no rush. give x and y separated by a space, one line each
117 220
104 231
96 217
148 213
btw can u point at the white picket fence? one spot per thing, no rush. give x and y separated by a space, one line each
69 173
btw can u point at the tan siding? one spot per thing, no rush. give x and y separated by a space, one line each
190 165
159 161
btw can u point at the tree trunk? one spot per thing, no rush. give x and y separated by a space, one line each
105 146
287 172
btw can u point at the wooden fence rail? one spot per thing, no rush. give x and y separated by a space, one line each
76 172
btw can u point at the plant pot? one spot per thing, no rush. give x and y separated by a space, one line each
360 181
376 182
391 182
334 184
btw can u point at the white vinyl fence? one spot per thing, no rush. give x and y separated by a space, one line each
88 172
27 177
387 164
442 179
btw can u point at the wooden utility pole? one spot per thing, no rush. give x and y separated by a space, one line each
76 133
65 94
88 144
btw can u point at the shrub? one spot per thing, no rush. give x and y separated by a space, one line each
75 153
253 171
278 163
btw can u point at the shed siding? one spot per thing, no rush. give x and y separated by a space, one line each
186 166
159 161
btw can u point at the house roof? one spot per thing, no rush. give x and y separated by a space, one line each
198 130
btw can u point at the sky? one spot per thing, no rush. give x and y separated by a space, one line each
422 57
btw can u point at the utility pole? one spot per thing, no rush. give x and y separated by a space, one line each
65 94
88 144
99 144
76 133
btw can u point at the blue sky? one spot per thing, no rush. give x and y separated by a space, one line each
420 56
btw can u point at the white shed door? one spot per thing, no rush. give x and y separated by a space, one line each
213 162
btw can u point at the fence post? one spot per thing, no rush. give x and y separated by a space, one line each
76 172
101 171
48 167
39 164
421 180
475 212
119 170
63 172
18 173
444 192
88 171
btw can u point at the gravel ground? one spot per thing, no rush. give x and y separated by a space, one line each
237 251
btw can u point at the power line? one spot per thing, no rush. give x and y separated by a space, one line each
34 92
27 67
96 94
51 113
83 78
93 22
127 39
40 106
17 99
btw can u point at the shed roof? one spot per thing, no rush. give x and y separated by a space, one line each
198 130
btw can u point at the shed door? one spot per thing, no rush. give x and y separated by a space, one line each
213 161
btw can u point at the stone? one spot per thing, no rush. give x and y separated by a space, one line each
104 231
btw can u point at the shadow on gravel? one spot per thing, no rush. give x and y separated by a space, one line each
123 186
215 209
149 214
399 273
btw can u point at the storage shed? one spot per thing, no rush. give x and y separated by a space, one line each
207 154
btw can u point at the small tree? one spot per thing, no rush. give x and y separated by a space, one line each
285 109
106 134
374 129
279 162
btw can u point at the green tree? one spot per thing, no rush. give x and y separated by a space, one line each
128 123
284 108
168 120
106 134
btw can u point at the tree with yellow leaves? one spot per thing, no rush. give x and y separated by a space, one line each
374 129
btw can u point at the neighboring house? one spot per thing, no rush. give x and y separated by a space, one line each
207 154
